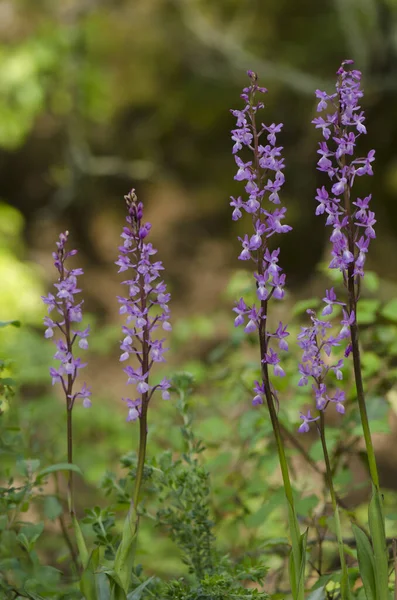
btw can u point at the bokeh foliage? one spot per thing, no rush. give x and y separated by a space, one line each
211 458
96 94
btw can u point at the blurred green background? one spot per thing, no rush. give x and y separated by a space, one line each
98 96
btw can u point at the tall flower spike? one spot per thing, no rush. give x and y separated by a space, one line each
262 174
351 221
145 309
263 178
69 311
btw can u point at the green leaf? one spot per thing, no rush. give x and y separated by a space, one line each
8 381
117 587
367 311
366 562
292 575
87 582
29 535
260 516
371 363
58 467
52 508
214 429
80 541
389 310
297 575
371 281
305 506
28 467
301 581
13 323
102 586
377 410
318 594
377 529
137 593
322 582
125 554
31 595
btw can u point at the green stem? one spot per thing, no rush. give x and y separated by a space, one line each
279 441
361 400
345 589
64 529
295 533
141 454
375 510
353 295
292 519
69 434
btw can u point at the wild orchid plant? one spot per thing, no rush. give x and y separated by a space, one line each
265 162
352 230
260 167
146 309
352 224
69 311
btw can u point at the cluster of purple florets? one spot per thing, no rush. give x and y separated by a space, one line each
263 178
146 305
351 220
317 342
352 228
352 225
145 308
69 311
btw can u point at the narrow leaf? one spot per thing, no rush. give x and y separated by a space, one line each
301 580
366 562
13 323
297 560
124 560
58 467
81 545
378 536
87 582
318 594
292 575
116 585
137 593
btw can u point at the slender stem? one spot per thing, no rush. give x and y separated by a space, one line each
278 437
301 449
263 341
354 333
144 407
263 346
65 532
69 543
295 533
293 522
69 435
328 470
353 294
362 406
141 455
320 539
309 460
68 397
394 546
